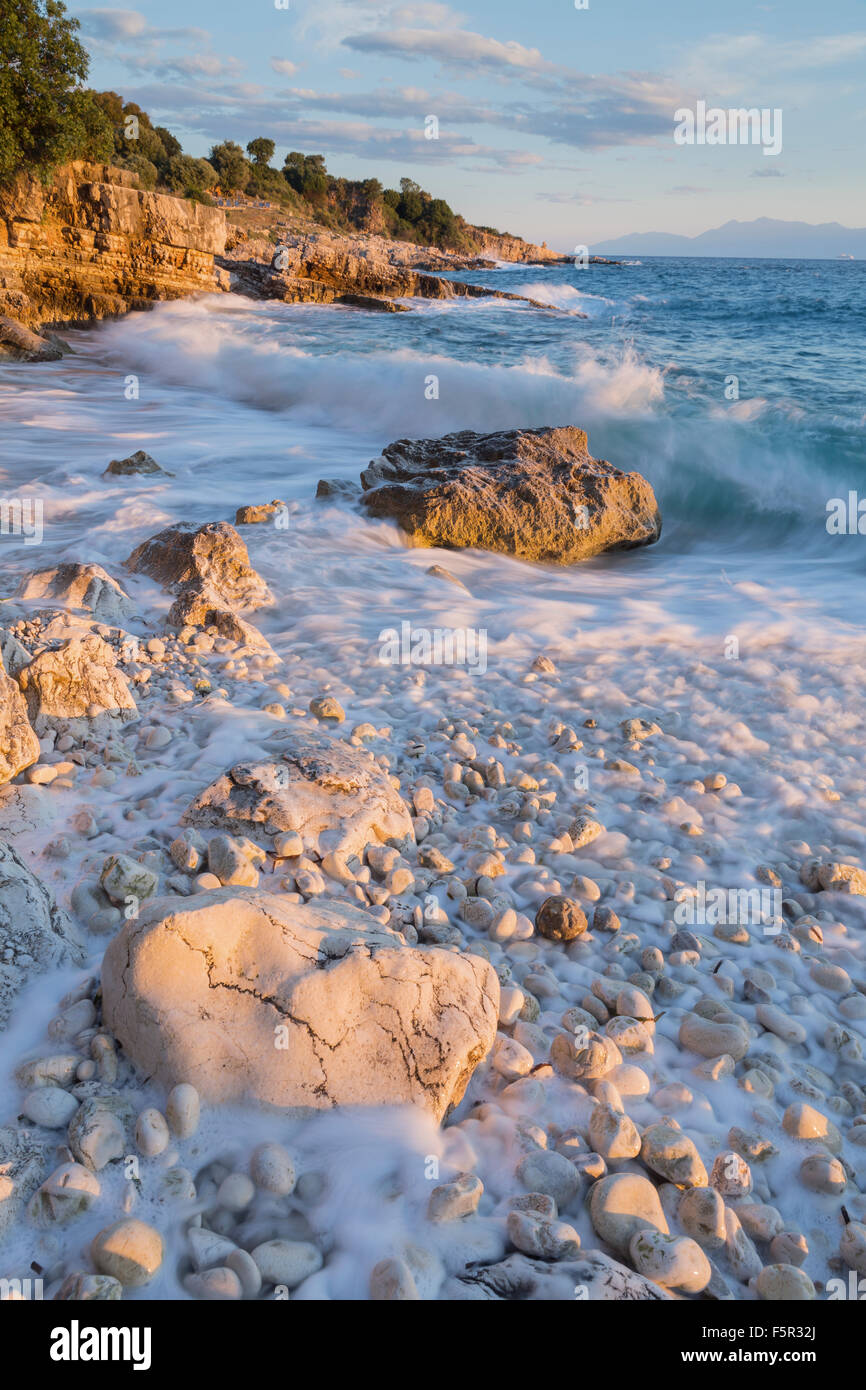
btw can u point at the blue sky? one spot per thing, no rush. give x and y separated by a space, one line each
554 123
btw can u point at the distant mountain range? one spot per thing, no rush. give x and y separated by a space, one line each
766 236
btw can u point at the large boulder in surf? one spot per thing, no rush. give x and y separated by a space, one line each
19 746
537 494
35 934
302 1006
211 557
336 797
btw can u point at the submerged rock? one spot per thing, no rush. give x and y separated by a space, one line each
537 494
247 996
336 797
139 462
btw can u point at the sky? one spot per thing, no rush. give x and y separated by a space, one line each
554 123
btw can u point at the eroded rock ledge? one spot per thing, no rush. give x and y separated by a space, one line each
91 245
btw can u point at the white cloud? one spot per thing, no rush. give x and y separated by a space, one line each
284 66
453 48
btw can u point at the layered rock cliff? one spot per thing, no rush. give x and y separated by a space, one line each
92 245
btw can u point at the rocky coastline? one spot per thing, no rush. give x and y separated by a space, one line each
617 1093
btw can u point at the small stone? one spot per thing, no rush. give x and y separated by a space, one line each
803 1121
130 1251
89 1288
852 1246
711 1039
272 1169
784 1284
673 1155
244 1266
182 1110
542 1238
621 1206
550 1173
392 1281
208 1248
68 1192
731 1175
287 1262
151 1133
50 1107
560 919
452 1200
214 1285
613 1135
226 859
326 707
789 1247
675 1262
236 1192
701 1213
123 878
823 1173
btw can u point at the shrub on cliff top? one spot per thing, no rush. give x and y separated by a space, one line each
45 116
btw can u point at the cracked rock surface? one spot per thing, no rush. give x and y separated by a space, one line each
302 1006
336 797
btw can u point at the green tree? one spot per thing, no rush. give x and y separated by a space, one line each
261 150
170 143
45 116
232 168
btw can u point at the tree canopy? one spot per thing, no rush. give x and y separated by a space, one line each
45 115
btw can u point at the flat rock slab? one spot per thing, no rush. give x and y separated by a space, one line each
300 1006
336 797
536 494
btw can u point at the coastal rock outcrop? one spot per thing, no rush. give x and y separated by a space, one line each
211 557
79 682
336 797
92 245
322 267
35 934
19 746
247 996
537 494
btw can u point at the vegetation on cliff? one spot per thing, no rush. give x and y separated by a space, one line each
47 117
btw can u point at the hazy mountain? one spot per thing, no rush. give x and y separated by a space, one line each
766 236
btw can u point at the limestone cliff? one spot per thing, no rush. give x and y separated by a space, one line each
92 245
